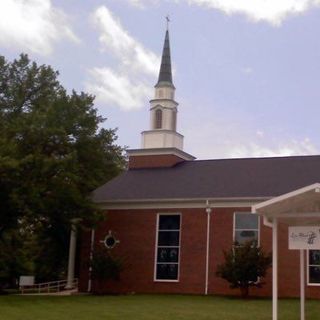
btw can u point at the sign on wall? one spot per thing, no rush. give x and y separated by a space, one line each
304 237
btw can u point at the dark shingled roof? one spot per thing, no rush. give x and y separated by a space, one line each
253 177
165 74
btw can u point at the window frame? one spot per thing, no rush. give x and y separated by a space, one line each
158 119
311 284
156 247
234 225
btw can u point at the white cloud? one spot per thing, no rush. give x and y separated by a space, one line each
142 3
284 148
243 147
222 138
33 25
127 86
131 53
260 133
247 70
117 89
272 11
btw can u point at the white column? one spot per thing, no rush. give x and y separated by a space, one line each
302 286
208 210
275 269
72 256
91 258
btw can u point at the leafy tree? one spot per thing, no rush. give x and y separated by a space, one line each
244 266
15 257
53 153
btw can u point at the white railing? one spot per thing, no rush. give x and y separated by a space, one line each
47 287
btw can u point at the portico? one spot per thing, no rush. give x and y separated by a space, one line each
297 208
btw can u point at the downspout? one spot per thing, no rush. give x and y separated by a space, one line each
208 210
90 260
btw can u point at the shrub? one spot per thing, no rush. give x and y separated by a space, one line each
244 266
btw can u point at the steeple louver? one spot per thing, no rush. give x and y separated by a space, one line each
165 74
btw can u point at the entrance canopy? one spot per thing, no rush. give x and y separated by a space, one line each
300 207
297 208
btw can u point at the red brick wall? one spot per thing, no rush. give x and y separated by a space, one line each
154 161
136 230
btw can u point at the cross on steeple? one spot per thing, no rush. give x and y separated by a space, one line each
165 74
168 20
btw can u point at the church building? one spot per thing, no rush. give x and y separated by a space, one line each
171 216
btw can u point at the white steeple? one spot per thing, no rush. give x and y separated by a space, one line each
163 109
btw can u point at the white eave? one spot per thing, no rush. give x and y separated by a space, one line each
239 202
298 207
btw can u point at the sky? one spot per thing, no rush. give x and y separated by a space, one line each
246 72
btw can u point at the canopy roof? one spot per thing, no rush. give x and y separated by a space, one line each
298 207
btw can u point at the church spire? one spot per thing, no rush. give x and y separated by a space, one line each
165 74
163 108
161 145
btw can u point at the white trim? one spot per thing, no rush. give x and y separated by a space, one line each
90 259
156 247
163 107
275 269
234 225
302 285
180 203
208 211
161 151
311 284
285 196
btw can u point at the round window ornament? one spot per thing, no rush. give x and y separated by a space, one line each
110 240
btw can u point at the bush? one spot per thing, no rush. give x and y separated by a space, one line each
105 266
244 266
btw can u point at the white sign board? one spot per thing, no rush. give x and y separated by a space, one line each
26 281
306 237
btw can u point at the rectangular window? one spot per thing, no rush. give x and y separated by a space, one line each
168 247
246 227
314 267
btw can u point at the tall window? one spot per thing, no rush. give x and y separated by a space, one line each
158 119
246 227
314 267
168 247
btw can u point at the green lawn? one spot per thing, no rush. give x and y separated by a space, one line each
153 307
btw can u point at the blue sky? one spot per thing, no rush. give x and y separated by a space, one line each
247 72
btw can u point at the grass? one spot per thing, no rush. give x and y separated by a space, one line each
151 307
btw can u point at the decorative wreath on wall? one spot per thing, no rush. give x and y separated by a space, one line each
110 241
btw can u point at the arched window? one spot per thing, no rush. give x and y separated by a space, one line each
158 119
